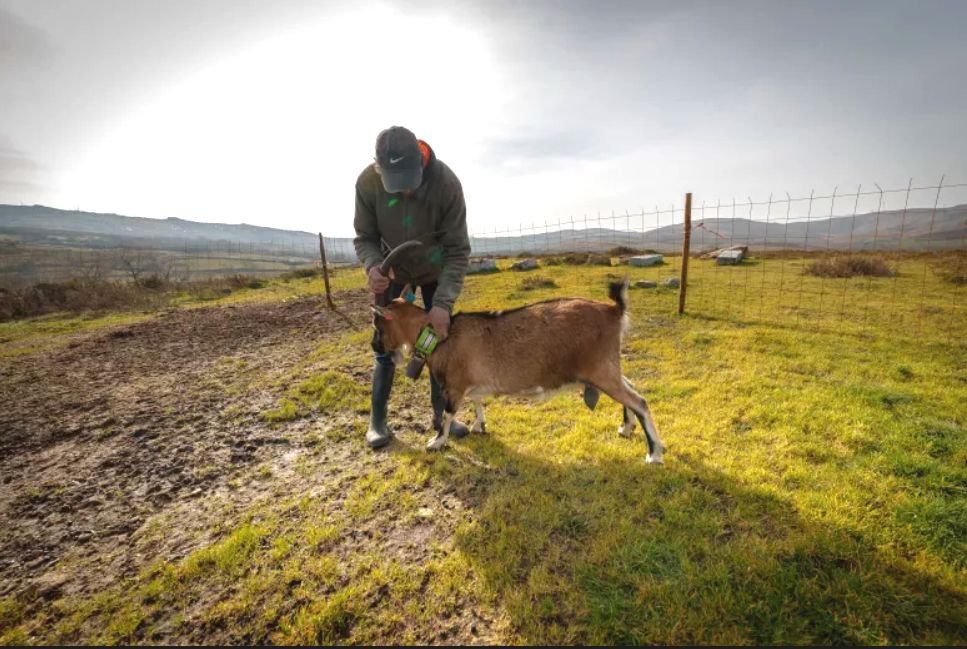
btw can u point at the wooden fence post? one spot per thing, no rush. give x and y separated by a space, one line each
683 285
325 269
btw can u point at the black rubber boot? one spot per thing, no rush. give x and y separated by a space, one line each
379 433
439 402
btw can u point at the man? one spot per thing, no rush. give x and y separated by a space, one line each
409 194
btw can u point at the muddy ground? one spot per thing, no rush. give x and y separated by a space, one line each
132 445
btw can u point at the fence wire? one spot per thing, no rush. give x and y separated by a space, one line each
864 256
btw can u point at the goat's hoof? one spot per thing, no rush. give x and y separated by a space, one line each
479 428
625 431
436 443
654 458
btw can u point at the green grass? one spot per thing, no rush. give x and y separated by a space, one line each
325 393
19 337
814 490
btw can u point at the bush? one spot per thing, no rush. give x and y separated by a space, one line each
82 296
623 251
535 282
599 260
856 266
241 281
154 282
74 296
952 269
578 259
302 273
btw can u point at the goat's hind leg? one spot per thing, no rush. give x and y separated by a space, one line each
621 390
655 446
627 423
479 425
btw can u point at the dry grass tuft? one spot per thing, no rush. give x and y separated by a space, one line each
537 282
98 296
855 266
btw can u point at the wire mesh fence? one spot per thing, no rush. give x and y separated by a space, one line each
893 257
863 255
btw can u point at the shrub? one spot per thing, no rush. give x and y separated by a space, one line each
242 281
599 260
622 251
535 282
154 282
952 269
74 296
82 295
855 266
301 273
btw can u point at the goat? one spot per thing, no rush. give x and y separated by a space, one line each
527 350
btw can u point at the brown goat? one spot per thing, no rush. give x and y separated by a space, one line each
528 350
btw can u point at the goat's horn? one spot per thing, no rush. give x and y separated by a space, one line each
384 267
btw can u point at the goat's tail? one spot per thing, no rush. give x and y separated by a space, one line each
618 291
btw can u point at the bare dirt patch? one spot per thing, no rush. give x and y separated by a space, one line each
131 421
134 446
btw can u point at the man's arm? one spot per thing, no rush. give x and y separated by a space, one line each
367 233
456 252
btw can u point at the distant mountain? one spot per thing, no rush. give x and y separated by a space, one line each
47 225
918 228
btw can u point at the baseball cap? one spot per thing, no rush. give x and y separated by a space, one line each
400 159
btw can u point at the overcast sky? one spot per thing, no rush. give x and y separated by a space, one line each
265 112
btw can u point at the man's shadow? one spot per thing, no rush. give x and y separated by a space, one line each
608 550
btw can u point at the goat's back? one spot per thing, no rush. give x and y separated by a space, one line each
543 345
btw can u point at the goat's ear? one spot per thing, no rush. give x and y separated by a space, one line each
380 312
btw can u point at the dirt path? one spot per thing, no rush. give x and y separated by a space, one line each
127 423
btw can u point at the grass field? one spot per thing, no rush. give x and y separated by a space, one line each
814 488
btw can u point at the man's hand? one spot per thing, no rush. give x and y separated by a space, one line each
439 319
378 282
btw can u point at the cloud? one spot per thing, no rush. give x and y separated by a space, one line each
22 43
20 175
524 150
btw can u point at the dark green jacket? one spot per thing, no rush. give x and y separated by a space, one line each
435 214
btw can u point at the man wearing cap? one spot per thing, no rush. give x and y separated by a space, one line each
407 193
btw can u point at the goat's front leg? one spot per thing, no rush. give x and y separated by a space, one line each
438 441
479 425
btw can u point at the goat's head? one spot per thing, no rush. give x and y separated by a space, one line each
397 325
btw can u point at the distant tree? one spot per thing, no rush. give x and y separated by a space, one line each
136 262
94 265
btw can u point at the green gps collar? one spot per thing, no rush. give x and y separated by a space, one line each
426 342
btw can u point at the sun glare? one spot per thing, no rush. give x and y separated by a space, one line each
276 134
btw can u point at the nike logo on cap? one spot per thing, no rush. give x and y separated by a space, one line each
393 161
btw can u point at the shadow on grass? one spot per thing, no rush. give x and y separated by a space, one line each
618 551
